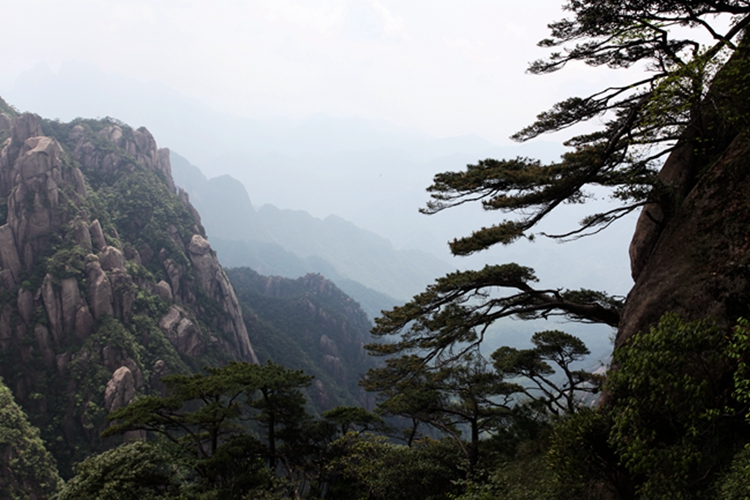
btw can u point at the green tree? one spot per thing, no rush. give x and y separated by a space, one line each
281 407
136 470
669 107
691 102
644 121
560 348
368 467
675 424
465 396
204 417
350 418
27 469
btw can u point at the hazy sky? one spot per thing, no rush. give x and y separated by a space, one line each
447 68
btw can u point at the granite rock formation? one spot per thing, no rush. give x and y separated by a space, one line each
108 280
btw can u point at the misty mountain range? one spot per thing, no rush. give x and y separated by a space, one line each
368 172
292 243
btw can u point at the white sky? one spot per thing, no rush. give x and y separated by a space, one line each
447 68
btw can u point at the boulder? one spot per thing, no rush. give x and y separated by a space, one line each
175 272
9 258
111 259
169 320
76 133
184 335
163 291
25 302
33 202
43 342
187 338
84 322
164 167
132 254
24 126
5 121
114 357
97 235
62 361
39 155
113 133
6 280
70 299
78 181
100 289
120 389
82 235
7 339
53 307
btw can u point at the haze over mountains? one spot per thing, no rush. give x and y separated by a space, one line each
292 243
370 173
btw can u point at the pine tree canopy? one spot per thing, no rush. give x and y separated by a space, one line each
643 121
678 51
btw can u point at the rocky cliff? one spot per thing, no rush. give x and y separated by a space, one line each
107 280
690 253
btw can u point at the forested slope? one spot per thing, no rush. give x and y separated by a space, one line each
308 324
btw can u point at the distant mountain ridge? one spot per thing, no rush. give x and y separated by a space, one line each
368 171
292 243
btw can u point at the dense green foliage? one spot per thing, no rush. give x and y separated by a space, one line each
673 422
137 470
27 469
241 431
674 426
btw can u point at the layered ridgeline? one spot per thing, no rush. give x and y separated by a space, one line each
107 279
292 243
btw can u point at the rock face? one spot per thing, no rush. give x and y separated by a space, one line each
212 278
690 251
109 272
699 267
120 389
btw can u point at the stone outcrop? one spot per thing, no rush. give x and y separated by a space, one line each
100 289
699 266
688 253
90 279
70 302
182 332
120 389
214 281
97 235
31 176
